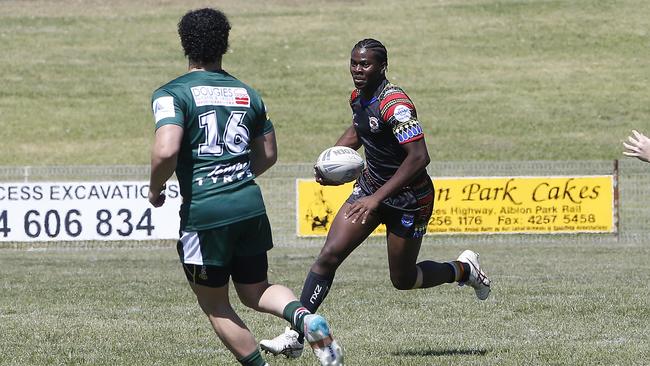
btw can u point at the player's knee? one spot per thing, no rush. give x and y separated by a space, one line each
250 302
327 262
210 307
250 295
402 281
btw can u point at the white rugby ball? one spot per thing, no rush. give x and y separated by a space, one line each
339 164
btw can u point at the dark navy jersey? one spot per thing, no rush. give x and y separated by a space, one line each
383 124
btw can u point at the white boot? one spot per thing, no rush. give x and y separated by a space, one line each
477 278
318 334
285 344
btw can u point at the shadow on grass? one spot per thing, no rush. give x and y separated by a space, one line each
441 352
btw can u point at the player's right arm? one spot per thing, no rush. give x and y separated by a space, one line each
349 139
164 155
169 118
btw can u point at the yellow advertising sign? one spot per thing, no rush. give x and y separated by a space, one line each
487 205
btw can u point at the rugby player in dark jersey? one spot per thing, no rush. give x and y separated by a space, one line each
213 131
394 189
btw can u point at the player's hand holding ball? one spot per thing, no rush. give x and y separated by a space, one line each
338 165
318 176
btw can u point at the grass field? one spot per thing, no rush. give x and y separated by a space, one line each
577 304
492 80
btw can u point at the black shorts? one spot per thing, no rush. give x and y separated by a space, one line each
407 213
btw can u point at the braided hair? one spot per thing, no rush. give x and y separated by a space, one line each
204 35
375 46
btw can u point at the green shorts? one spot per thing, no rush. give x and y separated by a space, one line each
218 246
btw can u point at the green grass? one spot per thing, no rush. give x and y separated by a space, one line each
552 304
492 80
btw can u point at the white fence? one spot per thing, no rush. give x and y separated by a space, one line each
278 185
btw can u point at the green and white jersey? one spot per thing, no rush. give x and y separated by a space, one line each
220 116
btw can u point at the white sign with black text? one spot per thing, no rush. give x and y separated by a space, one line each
71 211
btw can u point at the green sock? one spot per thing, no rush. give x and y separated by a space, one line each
295 313
254 359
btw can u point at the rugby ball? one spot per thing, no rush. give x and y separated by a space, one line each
339 164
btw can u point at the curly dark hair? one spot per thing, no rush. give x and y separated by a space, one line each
204 34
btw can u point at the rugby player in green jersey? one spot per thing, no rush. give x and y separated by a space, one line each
213 131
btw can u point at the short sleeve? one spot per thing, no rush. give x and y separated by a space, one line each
398 111
263 124
166 109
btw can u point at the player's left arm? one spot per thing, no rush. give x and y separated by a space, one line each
164 155
416 160
349 138
264 153
263 145
398 111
